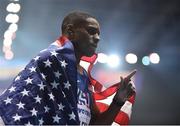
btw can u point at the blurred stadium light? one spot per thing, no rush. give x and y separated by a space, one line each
131 58
146 60
154 58
10 34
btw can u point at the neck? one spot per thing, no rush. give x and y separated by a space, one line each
78 57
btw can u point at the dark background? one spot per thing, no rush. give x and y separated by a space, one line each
138 26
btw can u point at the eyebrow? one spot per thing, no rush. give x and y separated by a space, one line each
94 28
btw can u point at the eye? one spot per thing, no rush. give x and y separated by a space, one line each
92 30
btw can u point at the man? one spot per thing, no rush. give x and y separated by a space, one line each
54 89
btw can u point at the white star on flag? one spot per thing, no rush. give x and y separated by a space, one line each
28 124
67 85
51 96
54 84
47 63
17 78
46 108
57 74
28 80
34 112
41 121
38 99
16 117
8 100
56 118
63 63
20 105
36 58
61 107
72 116
25 92
54 53
78 81
32 69
12 89
41 85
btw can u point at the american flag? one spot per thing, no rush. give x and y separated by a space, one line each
45 91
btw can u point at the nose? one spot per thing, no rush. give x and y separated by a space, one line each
96 38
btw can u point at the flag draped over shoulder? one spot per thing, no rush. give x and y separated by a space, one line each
100 95
45 92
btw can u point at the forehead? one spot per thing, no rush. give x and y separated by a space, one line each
92 22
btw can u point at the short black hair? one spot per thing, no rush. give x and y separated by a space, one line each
76 18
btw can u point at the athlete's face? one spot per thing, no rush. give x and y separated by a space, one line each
87 37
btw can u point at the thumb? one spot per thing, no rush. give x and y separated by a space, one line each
122 84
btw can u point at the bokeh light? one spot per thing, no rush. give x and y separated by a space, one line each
102 58
146 60
13 27
7 42
154 58
9 55
131 58
8 34
113 60
13 7
12 18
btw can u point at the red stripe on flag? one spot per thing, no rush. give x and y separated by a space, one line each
122 118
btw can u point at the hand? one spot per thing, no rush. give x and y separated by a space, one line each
126 89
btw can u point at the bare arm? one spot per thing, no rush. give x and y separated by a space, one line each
125 91
105 118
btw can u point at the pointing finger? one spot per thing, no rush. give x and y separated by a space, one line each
128 78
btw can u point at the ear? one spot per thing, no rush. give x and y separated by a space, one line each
70 30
